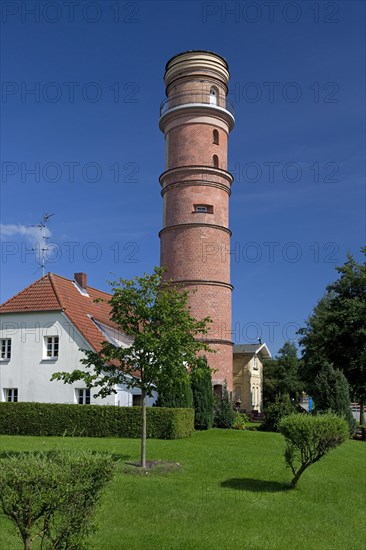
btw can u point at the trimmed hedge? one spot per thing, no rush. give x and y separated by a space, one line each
93 420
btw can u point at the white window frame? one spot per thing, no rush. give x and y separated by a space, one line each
12 393
202 209
5 349
255 366
52 344
84 394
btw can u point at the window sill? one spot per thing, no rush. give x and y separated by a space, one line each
195 212
49 359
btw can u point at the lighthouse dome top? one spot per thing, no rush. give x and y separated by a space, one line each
197 63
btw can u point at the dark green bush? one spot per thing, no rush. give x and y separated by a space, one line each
175 394
51 497
274 412
331 393
203 396
224 412
93 420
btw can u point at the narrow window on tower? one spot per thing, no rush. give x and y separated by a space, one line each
215 137
203 208
215 160
213 96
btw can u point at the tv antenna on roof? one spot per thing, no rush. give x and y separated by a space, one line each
42 226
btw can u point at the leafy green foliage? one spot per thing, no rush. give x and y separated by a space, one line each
164 339
240 421
336 330
331 393
224 412
51 497
93 420
154 313
274 412
281 376
203 397
309 438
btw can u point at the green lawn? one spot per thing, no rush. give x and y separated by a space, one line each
230 493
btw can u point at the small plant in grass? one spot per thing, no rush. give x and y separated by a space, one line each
224 412
309 438
51 497
240 421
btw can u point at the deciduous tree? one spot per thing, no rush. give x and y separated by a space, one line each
51 497
281 376
155 313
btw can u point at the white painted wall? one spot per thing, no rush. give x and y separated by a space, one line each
30 371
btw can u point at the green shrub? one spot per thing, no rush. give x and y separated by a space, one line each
203 396
240 421
309 438
224 412
274 412
93 420
51 497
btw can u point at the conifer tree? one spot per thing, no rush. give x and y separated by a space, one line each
224 412
331 393
175 393
203 397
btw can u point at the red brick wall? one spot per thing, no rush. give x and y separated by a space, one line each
192 143
180 202
195 247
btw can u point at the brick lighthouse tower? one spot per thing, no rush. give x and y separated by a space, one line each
196 119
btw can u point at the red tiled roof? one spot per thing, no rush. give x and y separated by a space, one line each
55 293
39 296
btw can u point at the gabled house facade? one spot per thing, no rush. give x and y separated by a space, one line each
248 376
43 329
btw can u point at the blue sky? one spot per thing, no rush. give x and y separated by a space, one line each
89 132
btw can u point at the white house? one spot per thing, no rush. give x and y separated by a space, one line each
43 329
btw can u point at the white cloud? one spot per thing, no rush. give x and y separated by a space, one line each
32 234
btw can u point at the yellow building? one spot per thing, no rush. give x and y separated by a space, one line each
248 376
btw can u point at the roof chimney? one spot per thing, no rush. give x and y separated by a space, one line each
81 279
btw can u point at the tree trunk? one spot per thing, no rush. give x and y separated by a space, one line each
298 474
143 435
28 544
362 412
